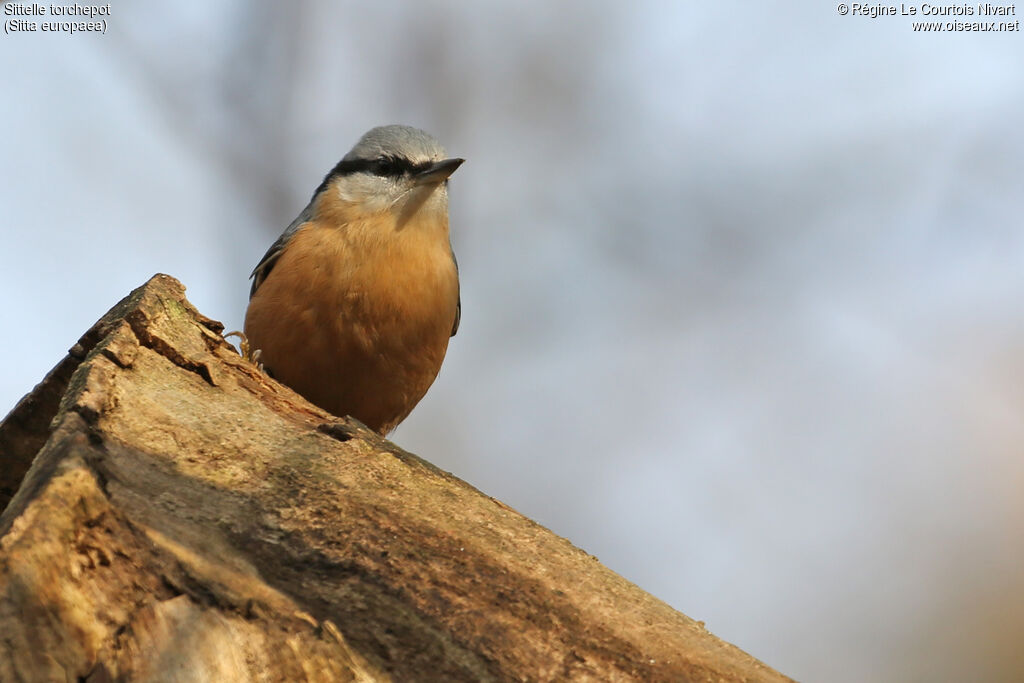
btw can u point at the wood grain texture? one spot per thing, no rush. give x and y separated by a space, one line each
185 518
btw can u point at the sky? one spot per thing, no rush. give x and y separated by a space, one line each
741 284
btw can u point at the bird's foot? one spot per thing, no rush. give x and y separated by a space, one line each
247 352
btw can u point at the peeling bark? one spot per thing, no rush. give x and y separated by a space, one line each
172 514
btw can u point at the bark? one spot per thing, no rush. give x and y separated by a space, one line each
172 514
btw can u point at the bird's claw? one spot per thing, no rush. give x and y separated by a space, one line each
247 352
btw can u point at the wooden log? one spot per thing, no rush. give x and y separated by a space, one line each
179 516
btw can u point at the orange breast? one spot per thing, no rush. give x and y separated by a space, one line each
355 322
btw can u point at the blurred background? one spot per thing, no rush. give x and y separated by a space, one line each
741 282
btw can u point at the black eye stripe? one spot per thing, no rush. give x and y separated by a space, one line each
391 166
384 166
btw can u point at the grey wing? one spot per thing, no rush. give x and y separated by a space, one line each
266 264
458 302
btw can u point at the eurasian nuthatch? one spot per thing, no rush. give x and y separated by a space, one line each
353 305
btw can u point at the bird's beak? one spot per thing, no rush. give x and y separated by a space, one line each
437 172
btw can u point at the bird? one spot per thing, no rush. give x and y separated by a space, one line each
354 304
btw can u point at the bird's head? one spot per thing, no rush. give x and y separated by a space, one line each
392 169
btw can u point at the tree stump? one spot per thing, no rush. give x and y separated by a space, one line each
172 514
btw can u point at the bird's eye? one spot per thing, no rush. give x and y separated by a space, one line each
385 166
